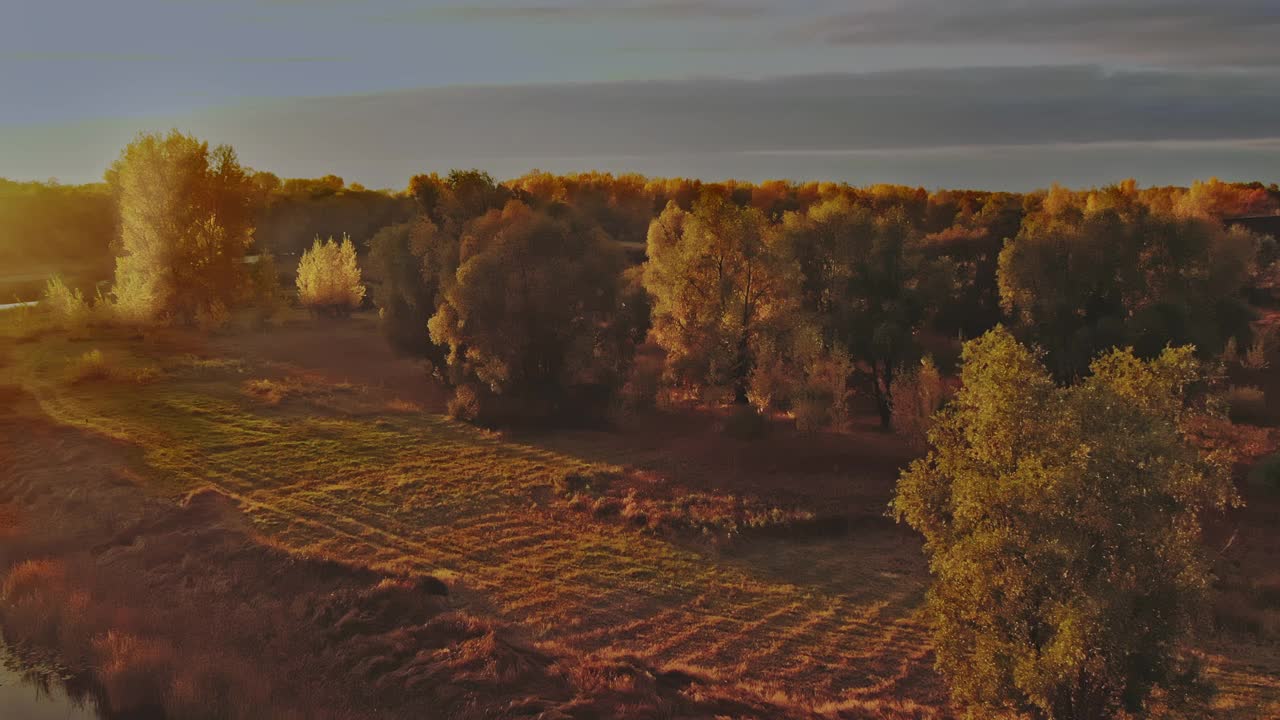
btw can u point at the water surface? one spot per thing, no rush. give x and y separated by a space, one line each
32 694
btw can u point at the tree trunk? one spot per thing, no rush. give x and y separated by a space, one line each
741 371
882 381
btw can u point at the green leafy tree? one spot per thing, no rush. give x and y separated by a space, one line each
412 262
185 222
719 282
1062 529
1091 271
525 314
868 284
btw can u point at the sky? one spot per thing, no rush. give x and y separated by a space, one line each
1011 94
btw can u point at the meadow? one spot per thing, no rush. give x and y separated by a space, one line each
760 572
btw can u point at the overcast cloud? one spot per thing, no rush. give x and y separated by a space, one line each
1014 93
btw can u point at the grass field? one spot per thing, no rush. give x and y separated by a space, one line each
334 449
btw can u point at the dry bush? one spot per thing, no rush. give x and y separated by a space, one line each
1246 404
38 606
827 388
812 414
31 577
93 365
268 391
302 387
465 404
1255 356
657 506
67 306
640 391
212 316
134 672
771 385
400 405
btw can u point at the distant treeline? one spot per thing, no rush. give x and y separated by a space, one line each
48 224
73 229
776 293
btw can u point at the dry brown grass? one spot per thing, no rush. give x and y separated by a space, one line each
655 504
552 600
94 365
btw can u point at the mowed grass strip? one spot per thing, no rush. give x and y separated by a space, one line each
421 492
824 621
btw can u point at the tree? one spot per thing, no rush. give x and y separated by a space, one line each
526 313
1091 271
400 259
867 283
718 280
1062 530
185 222
329 278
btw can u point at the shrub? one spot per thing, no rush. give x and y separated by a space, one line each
92 365
823 399
812 413
919 394
31 577
771 383
135 672
592 482
329 278
1255 358
1246 404
640 392
465 404
212 315
66 305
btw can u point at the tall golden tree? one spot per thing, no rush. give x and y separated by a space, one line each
719 280
185 222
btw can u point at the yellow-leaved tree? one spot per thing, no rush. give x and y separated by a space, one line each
329 278
1062 528
185 222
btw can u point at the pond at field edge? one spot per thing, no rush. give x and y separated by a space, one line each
30 694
